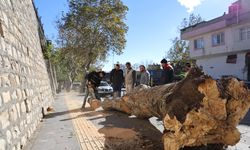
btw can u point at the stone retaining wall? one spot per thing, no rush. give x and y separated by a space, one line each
25 90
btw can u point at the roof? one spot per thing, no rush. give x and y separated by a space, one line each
204 23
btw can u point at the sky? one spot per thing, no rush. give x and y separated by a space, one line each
152 24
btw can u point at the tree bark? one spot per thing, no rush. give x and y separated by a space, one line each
55 78
83 82
195 111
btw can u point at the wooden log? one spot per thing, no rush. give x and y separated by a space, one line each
195 111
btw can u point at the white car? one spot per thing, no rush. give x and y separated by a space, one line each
104 89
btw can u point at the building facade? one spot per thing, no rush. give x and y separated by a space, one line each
221 46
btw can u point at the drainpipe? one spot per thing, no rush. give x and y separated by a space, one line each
237 14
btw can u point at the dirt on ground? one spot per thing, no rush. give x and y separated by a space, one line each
122 132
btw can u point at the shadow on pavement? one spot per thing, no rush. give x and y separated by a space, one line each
55 114
122 132
88 112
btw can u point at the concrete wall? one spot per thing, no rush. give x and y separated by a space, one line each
25 88
237 44
245 6
232 42
217 67
213 58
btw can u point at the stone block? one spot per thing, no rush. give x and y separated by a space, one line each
27 105
31 92
5 80
28 117
23 140
18 146
13 113
1 61
15 132
5 19
3 144
17 79
21 126
19 94
1 101
6 63
4 119
14 95
24 94
6 97
26 91
9 49
14 52
8 136
18 110
23 107
12 79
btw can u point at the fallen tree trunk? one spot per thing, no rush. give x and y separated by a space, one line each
195 111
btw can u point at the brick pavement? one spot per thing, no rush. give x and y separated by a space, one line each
87 134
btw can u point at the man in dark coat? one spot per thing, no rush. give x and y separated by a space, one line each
167 74
117 79
93 81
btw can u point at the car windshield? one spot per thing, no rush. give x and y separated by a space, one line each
104 84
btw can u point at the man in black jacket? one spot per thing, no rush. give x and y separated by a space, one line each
93 81
117 79
167 74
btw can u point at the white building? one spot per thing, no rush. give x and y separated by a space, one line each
222 46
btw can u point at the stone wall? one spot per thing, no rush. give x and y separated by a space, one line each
25 90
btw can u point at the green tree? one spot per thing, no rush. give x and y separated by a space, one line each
193 19
92 29
179 52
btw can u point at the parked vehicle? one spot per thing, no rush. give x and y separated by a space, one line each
76 85
155 77
104 89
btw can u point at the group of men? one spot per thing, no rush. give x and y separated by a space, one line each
118 79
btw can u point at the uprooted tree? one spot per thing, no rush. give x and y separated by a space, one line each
195 111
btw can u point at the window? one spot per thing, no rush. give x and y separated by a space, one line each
199 43
231 59
218 39
245 33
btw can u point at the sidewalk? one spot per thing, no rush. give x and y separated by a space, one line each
70 128
54 134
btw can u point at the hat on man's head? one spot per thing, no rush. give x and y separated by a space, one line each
128 63
164 61
103 73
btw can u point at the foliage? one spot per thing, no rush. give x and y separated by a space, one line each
91 29
179 52
47 50
190 21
